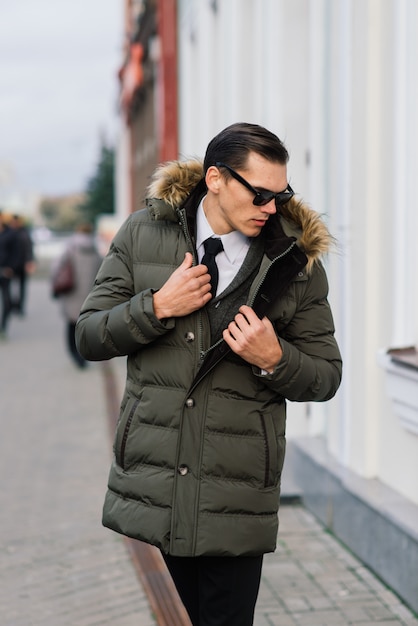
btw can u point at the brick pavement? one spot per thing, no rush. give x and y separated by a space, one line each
59 567
312 580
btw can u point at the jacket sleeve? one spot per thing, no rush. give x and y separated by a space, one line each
311 366
114 320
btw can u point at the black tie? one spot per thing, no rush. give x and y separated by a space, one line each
212 248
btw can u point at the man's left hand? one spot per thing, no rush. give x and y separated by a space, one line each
253 339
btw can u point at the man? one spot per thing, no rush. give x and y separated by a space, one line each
25 263
8 264
199 446
83 256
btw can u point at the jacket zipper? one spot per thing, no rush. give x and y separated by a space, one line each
204 353
183 224
266 271
266 452
126 433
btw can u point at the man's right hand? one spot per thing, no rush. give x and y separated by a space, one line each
187 290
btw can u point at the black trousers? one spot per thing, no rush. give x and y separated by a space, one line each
217 591
6 302
18 289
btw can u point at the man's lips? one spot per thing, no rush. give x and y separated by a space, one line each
261 221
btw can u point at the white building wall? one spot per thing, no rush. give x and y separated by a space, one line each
336 80
405 95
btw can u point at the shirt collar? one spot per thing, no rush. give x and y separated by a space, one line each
232 242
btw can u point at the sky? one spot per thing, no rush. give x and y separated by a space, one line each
58 91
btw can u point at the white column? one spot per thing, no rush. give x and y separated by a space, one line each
404 215
338 205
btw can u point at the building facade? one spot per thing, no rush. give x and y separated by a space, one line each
148 97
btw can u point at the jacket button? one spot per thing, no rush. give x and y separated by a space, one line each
189 337
190 403
183 470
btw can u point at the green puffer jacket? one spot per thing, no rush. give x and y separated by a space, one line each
200 442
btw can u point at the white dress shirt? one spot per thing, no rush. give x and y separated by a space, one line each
236 246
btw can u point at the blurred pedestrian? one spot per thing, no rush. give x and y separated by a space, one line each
8 264
82 251
25 264
215 347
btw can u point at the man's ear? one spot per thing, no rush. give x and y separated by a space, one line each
213 179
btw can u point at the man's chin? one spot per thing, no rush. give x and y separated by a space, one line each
254 231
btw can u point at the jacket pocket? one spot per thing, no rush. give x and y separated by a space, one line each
271 460
122 431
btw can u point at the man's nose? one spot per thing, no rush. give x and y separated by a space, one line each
270 207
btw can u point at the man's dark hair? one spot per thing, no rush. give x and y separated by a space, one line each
233 144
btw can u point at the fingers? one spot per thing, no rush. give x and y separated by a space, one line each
195 270
248 313
188 261
248 327
186 290
239 323
253 339
246 321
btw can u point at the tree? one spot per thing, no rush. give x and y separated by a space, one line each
100 192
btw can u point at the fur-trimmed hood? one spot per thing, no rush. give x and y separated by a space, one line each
173 181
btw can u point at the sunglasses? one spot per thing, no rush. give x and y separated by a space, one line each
260 197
